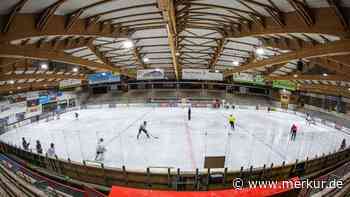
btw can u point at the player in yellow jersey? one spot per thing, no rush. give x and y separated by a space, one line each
232 120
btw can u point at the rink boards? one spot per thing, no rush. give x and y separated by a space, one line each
210 105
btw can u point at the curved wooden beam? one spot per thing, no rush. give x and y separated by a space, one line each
330 64
168 8
22 87
330 49
40 76
61 44
24 26
24 52
339 64
15 10
47 15
308 77
273 68
218 51
326 89
325 22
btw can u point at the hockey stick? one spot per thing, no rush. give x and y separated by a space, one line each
125 129
155 137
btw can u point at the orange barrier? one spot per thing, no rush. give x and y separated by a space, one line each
246 192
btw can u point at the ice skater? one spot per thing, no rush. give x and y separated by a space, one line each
343 144
51 151
25 144
308 119
76 115
39 148
100 150
143 129
232 121
189 113
293 132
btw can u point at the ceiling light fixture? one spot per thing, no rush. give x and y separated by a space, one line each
145 60
44 65
260 51
11 82
235 63
128 44
325 74
75 70
295 75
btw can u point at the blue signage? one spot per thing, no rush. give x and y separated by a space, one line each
103 77
44 99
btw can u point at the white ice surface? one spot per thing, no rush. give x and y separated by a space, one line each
260 138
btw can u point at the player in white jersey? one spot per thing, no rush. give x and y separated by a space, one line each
100 150
51 151
143 129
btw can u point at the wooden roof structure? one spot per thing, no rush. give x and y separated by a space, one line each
221 35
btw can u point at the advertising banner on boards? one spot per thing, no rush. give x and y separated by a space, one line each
150 74
201 74
68 83
7 109
284 84
33 111
249 78
103 77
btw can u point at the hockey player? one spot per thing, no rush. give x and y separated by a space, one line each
25 144
100 150
232 120
269 109
293 132
308 119
58 112
189 113
76 115
143 129
39 149
51 151
343 144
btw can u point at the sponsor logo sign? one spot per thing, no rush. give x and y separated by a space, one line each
149 74
201 74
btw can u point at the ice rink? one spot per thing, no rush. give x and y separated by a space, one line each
260 137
